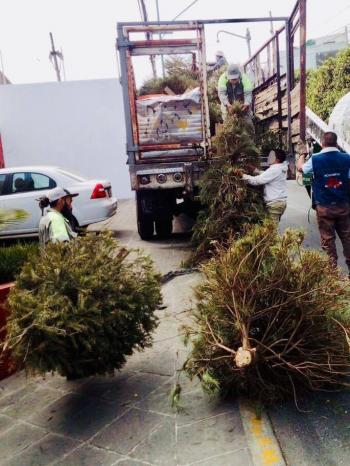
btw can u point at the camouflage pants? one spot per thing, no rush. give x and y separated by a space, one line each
276 210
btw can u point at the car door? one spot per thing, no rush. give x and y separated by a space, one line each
23 188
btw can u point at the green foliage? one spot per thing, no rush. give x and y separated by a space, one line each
327 84
267 140
283 305
12 259
82 307
177 65
228 202
177 84
175 396
179 78
213 98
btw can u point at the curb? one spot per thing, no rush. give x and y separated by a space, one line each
261 440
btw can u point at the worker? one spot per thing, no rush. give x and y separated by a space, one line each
220 61
67 211
330 185
53 226
274 180
233 86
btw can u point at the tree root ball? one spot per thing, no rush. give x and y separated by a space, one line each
271 319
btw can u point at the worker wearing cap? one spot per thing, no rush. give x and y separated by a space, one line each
234 86
53 226
220 61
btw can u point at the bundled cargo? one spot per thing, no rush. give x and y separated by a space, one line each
170 119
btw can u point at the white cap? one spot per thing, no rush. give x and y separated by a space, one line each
56 193
233 71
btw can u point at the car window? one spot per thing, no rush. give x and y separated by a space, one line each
2 182
42 181
27 181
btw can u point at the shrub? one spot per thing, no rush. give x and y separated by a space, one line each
12 259
82 307
179 77
177 84
271 320
327 84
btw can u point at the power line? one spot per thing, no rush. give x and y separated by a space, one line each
339 13
140 10
184 10
334 31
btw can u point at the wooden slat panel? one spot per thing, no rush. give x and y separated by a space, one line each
266 104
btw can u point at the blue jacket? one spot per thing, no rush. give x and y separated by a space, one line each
331 178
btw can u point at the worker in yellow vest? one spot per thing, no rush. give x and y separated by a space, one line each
234 86
53 226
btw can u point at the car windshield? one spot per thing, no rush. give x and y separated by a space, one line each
73 176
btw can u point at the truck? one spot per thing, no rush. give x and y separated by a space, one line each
168 138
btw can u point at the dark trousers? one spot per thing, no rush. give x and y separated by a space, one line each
331 220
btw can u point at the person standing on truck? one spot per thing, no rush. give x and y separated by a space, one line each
331 172
220 61
274 180
53 226
233 86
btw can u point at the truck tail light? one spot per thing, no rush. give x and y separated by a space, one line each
98 192
145 179
177 177
161 178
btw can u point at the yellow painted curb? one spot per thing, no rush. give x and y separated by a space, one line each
261 440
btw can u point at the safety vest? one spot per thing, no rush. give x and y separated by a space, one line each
54 228
234 93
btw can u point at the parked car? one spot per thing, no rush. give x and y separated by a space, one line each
20 187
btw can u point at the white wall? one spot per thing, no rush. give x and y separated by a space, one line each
78 125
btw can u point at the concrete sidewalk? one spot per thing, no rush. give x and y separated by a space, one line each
126 419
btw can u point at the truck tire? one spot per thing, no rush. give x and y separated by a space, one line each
145 219
164 226
145 228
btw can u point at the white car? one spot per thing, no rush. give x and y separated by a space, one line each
20 187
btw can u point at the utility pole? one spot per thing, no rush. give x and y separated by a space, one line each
248 39
53 56
272 31
160 38
148 37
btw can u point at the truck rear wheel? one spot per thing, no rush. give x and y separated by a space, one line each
145 227
164 226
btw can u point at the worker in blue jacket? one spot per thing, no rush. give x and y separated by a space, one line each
331 173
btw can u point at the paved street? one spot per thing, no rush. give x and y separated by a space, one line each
128 420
